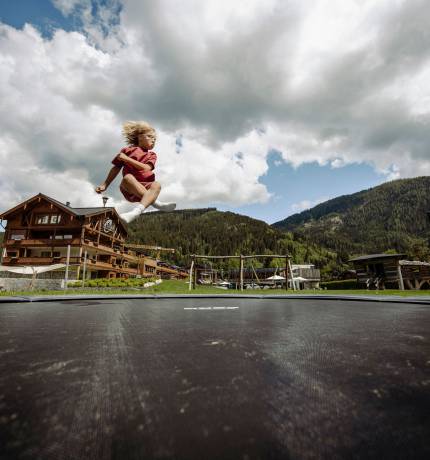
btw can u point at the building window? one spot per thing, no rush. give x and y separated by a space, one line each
45 219
42 219
60 237
12 253
56 254
45 254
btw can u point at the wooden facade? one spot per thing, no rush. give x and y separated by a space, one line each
380 271
416 275
39 231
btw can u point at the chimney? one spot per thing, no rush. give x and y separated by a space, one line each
68 203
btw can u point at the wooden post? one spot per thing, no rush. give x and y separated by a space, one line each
85 269
66 277
292 275
191 274
99 229
194 272
33 280
399 273
286 273
241 272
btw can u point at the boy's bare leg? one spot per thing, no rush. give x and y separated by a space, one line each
151 194
148 196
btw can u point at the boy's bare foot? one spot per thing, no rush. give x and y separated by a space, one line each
161 206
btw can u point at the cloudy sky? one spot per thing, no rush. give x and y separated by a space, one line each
263 107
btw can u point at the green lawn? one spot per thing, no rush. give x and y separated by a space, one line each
181 287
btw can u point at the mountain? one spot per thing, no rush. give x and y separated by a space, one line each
391 216
211 232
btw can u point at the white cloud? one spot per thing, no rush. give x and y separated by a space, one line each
332 81
68 6
307 204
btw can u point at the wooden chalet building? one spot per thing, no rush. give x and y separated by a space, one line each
39 231
380 271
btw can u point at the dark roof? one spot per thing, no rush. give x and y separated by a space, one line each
78 211
87 211
377 256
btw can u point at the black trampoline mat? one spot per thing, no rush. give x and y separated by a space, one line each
207 378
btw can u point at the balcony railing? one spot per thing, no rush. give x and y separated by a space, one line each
39 260
160 269
43 242
108 250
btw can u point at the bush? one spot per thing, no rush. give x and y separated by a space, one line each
338 285
112 282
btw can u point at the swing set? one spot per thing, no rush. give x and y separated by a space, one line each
242 258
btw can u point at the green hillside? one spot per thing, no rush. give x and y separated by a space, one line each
212 232
392 216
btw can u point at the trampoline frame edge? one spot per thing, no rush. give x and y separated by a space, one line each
55 298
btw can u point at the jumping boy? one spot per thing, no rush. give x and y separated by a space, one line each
138 184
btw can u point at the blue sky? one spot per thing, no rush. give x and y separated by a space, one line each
310 182
278 105
40 13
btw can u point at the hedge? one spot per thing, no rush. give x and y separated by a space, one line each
341 284
111 282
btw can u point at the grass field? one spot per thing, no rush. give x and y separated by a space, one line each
181 287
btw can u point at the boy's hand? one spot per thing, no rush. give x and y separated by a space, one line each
101 188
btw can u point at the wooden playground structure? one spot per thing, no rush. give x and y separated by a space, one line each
242 258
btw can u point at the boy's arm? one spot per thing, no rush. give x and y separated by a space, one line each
110 177
134 163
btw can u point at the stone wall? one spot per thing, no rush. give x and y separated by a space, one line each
23 284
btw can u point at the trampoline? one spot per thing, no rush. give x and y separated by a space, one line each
195 377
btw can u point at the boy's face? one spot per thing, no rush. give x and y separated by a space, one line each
146 140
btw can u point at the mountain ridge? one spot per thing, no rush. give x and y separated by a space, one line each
219 233
390 216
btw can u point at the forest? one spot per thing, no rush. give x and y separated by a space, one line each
212 232
391 217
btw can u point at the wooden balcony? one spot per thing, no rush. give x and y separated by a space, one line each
46 242
92 231
101 265
96 265
39 260
171 271
100 248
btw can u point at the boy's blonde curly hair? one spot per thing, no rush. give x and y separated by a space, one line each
131 129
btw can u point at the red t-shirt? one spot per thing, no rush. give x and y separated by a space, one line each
138 154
